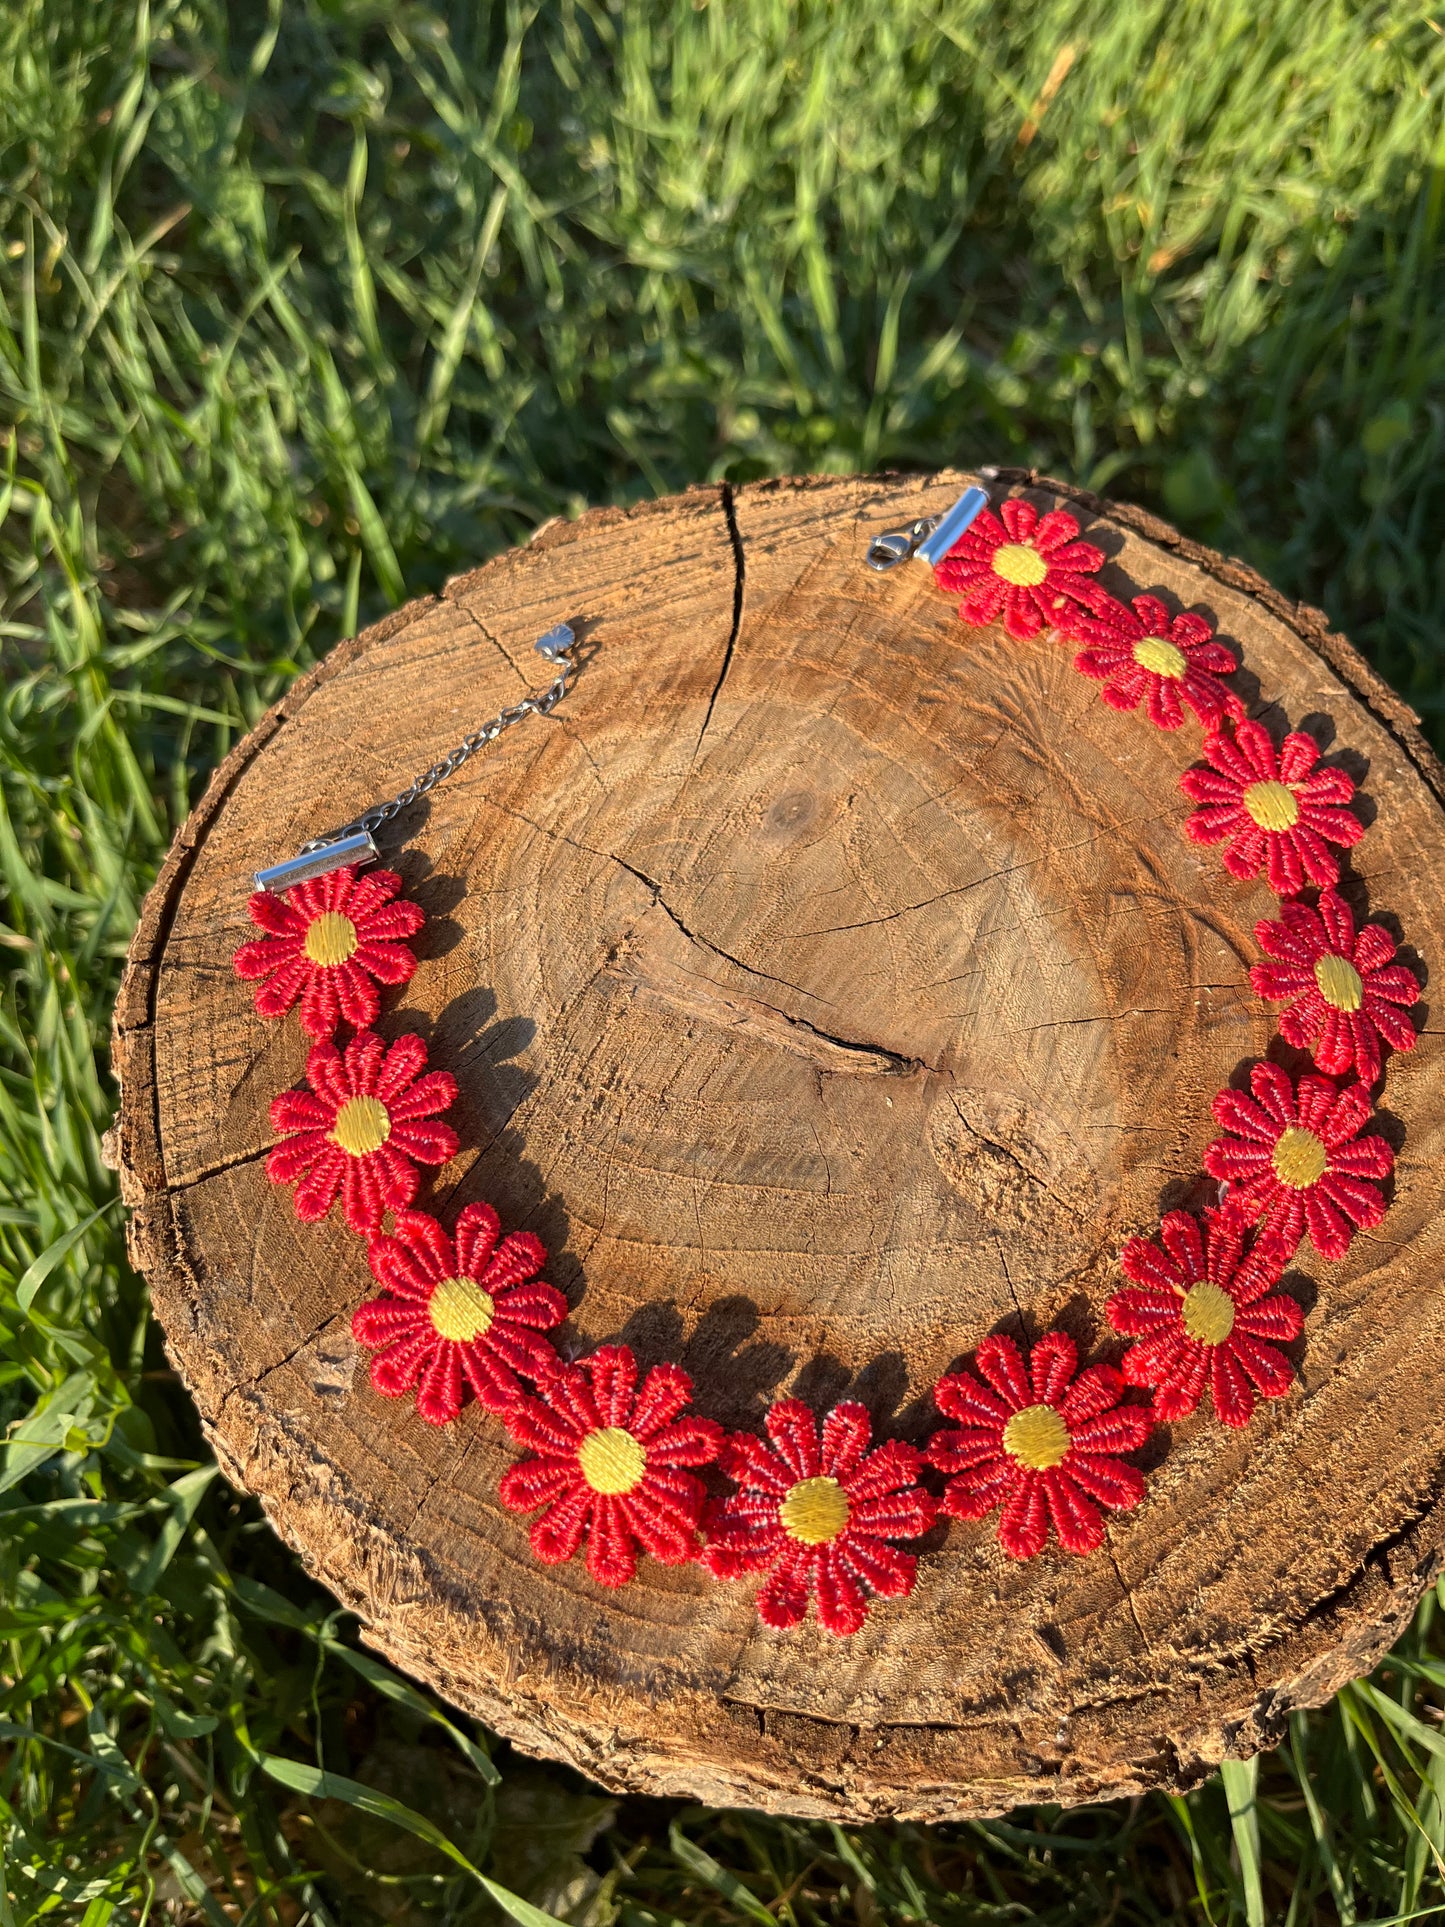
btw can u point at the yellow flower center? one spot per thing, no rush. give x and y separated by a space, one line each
1299 1158
1017 563
1161 657
814 1511
612 1461
1208 1313
362 1125
1036 1437
460 1310
1272 806
330 938
1339 983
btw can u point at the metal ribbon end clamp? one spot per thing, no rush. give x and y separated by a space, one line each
359 849
354 844
930 538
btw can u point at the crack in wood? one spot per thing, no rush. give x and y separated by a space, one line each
895 1062
739 585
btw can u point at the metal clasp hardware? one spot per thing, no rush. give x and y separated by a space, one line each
354 843
930 538
320 862
555 644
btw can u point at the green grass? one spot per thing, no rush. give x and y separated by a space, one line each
302 309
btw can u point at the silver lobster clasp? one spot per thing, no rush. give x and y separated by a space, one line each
554 645
930 537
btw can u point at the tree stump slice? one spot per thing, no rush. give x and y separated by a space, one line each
829 984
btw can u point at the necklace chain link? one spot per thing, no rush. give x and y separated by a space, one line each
555 647
353 842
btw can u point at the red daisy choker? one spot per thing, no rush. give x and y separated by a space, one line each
616 1467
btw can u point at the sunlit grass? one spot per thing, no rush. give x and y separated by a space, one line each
302 310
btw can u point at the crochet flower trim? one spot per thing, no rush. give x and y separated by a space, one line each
615 1465
1206 1313
361 1129
1144 655
1273 809
1043 1441
610 1465
1346 994
1032 570
817 1512
330 942
1295 1158
464 1311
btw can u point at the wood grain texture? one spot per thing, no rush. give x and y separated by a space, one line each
828 985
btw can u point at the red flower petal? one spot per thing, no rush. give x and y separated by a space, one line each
816 1512
329 943
1046 1448
606 1464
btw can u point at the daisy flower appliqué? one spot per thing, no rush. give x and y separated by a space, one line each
1204 1313
1346 993
461 1311
361 1130
816 1513
1273 809
330 942
1039 1441
1295 1158
1144 655
609 1465
1031 569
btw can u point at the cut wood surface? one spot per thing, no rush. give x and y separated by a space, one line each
828 985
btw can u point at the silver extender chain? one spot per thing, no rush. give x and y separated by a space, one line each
558 642
352 843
